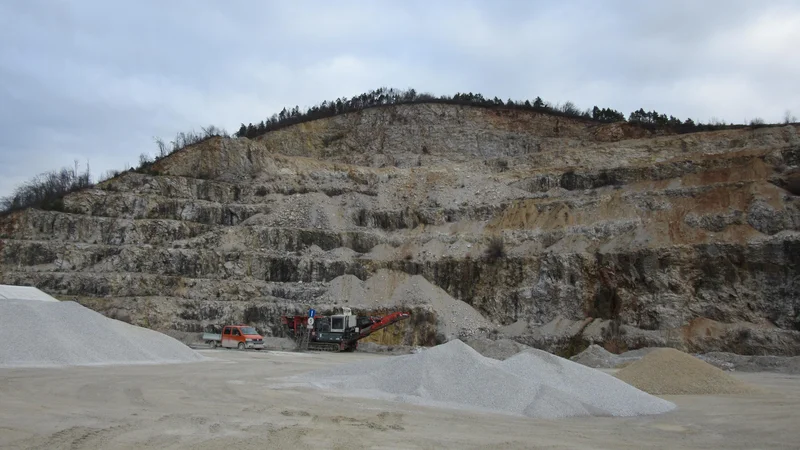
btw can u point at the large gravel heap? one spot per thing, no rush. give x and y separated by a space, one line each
453 375
668 371
51 334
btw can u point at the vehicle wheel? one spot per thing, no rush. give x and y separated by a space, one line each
212 344
241 345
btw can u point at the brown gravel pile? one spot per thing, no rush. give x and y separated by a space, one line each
667 371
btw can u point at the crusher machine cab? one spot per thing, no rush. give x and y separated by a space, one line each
338 332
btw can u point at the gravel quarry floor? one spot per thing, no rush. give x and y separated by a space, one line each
224 403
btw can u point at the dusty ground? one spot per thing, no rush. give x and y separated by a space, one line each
225 403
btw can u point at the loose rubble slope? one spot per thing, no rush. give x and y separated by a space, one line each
630 236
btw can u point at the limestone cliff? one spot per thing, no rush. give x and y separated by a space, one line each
611 234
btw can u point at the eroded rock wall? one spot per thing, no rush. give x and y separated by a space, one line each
610 234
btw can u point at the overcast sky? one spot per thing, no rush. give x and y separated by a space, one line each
96 80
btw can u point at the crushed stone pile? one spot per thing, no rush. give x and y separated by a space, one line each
455 317
667 371
496 348
453 375
52 334
597 357
346 289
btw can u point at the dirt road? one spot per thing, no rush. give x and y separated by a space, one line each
225 403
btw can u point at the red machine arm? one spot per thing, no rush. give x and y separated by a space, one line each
383 322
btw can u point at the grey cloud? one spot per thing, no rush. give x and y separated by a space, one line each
97 80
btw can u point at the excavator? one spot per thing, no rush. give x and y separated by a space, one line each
338 332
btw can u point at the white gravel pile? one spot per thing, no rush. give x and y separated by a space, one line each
596 391
52 334
346 289
597 357
453 375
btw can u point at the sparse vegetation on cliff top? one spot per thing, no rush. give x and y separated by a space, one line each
390 96
46 190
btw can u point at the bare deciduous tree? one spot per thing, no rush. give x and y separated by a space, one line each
46 190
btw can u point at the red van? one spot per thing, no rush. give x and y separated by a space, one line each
236 336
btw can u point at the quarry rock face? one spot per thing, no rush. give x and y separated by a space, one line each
608 234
